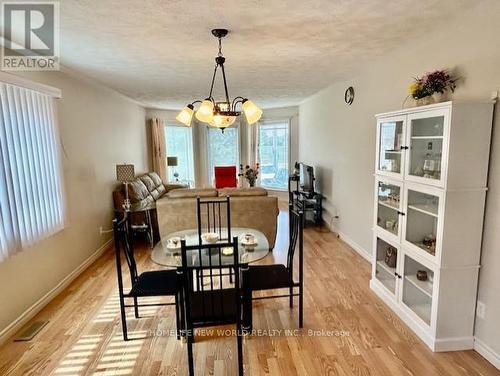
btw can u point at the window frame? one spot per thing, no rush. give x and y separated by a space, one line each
191 131
263 123
209 168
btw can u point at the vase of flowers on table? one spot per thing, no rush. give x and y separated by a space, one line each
249 173
432 87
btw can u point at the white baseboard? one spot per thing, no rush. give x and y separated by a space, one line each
454 344
27 315
366 255
327 220
487 352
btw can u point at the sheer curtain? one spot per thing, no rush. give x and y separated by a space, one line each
31 198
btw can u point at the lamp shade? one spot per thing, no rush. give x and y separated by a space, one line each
205 113
186 115
125 172
251 111
222 121
172 161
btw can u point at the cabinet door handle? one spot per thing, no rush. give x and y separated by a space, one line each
404 147
400 213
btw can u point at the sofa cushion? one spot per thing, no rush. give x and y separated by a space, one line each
154 184
190 193
137 191
148 182
236 192
156 178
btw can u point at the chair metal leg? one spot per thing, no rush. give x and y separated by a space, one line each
230 275
177 317
240 352
124 319
301 307
291 297
190 353
136 308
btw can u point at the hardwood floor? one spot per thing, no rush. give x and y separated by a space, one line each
84 337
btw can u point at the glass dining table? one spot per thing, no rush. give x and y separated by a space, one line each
163 254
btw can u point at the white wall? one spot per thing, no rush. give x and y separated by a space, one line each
98 129
339 140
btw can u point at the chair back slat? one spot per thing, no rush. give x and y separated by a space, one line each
214 216
296 233
206 302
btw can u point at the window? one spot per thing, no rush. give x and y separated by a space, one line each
223 149
273 154
31 199
179 143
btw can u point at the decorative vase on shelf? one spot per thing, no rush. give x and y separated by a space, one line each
429 99
441 97
251 182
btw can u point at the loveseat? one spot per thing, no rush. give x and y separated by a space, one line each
175 206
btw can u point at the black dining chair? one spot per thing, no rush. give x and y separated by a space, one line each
214 216
216 303
147 284
278 276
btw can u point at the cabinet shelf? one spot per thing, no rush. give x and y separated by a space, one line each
388 269
423 286
388 205
423 311
425 209
426 137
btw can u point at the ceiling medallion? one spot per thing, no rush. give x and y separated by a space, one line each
220 114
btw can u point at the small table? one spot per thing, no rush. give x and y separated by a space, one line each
163 256
148 227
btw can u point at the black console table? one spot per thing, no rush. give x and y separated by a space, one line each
305 201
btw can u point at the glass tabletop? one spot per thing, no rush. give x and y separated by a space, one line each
164 255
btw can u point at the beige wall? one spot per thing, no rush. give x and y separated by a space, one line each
98 128
340 140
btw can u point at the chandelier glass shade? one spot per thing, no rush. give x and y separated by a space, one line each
220 114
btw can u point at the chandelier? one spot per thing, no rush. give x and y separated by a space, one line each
220 114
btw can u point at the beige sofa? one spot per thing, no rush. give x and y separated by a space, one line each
250 207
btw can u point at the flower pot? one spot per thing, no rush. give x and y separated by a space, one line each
425 101
441 97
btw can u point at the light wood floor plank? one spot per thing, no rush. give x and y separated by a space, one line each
83 336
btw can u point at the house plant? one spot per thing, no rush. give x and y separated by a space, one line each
432 87
250 173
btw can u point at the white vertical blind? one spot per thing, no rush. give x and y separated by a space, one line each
31 199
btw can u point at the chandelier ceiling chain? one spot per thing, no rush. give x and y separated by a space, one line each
220 114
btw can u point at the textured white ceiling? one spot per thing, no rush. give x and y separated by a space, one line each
161 52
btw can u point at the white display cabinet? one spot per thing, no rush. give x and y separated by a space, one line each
430 186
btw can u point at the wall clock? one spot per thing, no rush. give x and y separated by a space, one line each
349 95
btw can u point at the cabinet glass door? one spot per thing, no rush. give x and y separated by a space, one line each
418 285
388 207
386 264
426 140
422 220
390 139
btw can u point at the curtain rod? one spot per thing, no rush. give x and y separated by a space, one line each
26 83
